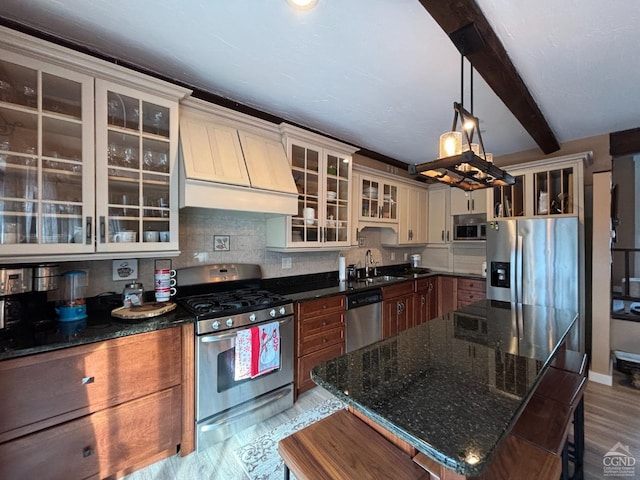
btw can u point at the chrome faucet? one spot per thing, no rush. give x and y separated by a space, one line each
368 260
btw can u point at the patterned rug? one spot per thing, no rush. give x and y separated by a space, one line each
260 458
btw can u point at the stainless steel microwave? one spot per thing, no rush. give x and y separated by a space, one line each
475 231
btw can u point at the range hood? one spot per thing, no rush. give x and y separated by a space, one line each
231 161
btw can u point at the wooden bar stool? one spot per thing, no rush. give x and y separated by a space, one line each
576 362
565 390
342 447
518 459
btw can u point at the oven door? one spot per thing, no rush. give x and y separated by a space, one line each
216 388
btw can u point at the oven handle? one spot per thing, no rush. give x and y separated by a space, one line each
219 337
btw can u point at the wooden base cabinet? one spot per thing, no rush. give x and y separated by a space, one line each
92 410
319 336
470 290
425 300
98 445
397 308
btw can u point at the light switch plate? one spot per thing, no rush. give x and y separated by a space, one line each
286 262
125 269
361 241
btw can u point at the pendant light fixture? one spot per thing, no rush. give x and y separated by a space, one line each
461 162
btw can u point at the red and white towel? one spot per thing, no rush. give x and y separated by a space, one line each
243 348
257 351
265 351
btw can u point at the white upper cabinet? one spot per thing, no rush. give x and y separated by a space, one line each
321 170
412 224
73 156
439 223
463 202
136 188
550 187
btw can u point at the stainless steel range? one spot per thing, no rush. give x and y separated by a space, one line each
226 300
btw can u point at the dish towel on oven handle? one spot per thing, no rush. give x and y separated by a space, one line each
265 351
242 368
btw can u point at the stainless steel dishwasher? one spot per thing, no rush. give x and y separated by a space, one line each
364 318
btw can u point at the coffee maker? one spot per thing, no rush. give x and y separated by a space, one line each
13 281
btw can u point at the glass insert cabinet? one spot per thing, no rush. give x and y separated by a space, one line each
46 157
322 172
134 158
542 189
323 196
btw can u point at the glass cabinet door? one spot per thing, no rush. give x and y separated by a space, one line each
336 221
379 201
134 141
46 158
305 166
553 192
509 201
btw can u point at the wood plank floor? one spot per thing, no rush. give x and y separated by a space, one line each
612 415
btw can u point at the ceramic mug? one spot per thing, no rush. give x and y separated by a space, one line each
151 236
165 236
164 294
126 236
309 214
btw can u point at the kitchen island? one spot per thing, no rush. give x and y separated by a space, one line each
454 387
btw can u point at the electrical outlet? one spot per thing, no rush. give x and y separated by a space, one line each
393 256
361 242
286 262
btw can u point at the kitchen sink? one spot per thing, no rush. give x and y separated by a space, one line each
381 279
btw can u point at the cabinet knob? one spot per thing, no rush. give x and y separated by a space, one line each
88 380
324 340
324 306
87 452
324 324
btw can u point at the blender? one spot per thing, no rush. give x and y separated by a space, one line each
73 306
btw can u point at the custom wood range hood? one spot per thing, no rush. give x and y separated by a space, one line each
231 161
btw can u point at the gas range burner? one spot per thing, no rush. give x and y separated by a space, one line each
210 305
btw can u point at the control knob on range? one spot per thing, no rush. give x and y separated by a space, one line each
252 317
215 325
229 322
272 312
282 311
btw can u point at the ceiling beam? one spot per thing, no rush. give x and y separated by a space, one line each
494 65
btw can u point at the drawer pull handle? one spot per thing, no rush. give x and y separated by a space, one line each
87 452
324 324
324 306
88 380
324 340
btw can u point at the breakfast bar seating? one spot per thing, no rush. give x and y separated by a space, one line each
455 394
343 447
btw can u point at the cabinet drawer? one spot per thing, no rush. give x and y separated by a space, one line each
469 296
397 290
99 444
313 325
325 338
75 381
424 284
469 284
306 364
321 306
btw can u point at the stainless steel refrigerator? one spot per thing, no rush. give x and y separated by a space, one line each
534 262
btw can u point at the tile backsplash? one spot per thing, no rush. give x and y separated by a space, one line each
247 242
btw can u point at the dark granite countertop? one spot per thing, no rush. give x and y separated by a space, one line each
453 387
48 334
309 287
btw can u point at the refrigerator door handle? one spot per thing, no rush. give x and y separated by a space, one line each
518 273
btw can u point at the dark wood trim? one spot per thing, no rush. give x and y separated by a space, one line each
492 62
624 142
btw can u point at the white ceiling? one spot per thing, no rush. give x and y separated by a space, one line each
379 74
